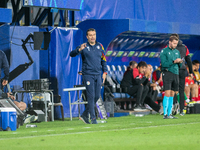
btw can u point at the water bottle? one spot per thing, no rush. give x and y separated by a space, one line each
101 121
31 126
139 115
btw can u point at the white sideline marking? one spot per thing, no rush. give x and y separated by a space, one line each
50 130
86 127
70 129
96 131
14 133
132 123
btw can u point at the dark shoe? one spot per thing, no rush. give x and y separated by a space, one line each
172 117
84 119
94 121
165 117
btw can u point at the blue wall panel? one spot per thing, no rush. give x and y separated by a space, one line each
6 15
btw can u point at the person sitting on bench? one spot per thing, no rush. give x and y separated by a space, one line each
135 81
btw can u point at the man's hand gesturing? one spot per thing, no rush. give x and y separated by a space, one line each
82 47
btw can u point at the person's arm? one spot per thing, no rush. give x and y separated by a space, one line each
103 63
78 50
164 61
180 63
188 60
5 67
137 78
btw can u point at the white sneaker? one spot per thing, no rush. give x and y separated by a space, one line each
187 100
29 119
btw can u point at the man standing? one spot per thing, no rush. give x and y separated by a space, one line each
5 66
170 63
94 62
184 52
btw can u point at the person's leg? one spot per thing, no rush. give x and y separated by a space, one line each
181 89
151 103
166 101
174 89
20 105
187 91
98 83
90 94
170 103
167 84
154 95
136 90
97 88
144 94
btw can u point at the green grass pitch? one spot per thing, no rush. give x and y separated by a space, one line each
119 133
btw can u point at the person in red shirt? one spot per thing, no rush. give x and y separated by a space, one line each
135 80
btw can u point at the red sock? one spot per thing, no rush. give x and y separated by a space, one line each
193 99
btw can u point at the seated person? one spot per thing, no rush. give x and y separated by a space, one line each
149 99
153 85
21 105
157 77
191 85
135 80
196 69
132 65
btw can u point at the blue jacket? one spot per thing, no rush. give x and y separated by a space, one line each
4 64
93 58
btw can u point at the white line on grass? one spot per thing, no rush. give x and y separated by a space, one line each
69 129
96 131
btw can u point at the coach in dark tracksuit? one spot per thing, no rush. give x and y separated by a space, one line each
94 62
184 52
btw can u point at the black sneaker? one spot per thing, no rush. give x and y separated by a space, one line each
165 117
84 119
172 117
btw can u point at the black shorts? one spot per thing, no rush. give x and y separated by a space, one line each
170 81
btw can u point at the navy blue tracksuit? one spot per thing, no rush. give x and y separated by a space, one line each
94 62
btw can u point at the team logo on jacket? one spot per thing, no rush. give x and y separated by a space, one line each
169 53
98 47
88 48
88 82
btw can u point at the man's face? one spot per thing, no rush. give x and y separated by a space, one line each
149 68
142 69
194 67
173 44
91 36
197 66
